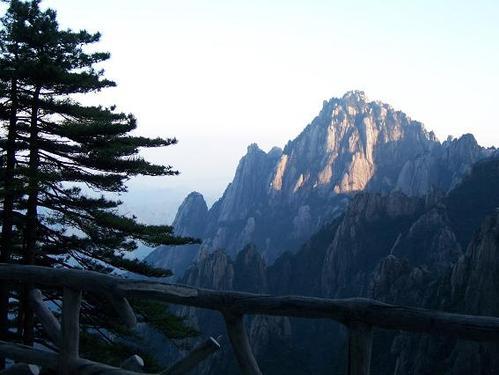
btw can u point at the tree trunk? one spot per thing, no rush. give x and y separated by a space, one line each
8 208
31 234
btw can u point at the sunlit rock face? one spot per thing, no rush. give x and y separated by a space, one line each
344 147
249 186
441 168
277 199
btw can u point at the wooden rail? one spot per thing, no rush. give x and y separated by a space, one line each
359 315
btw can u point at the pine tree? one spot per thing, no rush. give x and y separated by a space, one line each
10 66
66 155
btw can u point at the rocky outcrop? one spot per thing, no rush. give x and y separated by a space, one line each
371 227
191 217
251 275
190 221
249 186
343 150
429 241
442 167
478 270
469 287
240 217
467 284
216 270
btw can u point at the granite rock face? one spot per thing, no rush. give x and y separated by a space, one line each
465 221
442 167
470 287
370 228
279 198
190 221
191 217
343 150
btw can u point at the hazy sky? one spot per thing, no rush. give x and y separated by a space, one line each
220 75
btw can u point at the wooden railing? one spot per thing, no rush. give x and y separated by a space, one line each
359 315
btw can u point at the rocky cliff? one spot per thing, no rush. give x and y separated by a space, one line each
190 221
469 285
278 199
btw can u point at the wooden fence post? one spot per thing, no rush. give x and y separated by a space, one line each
194 358
359 348
240 344
133 363
70 330
21 369
47 319
125 311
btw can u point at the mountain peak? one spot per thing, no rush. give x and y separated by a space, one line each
253 148
194 195
352 145
468 138
275 152
355 96
191 216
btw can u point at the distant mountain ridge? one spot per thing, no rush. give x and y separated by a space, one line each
278 199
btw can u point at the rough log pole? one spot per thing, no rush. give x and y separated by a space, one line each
70 330
124 310
359 348
50 360
47 319
27 354
234 305
240 344
21 369
133 363
85 367
371 312
194 358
